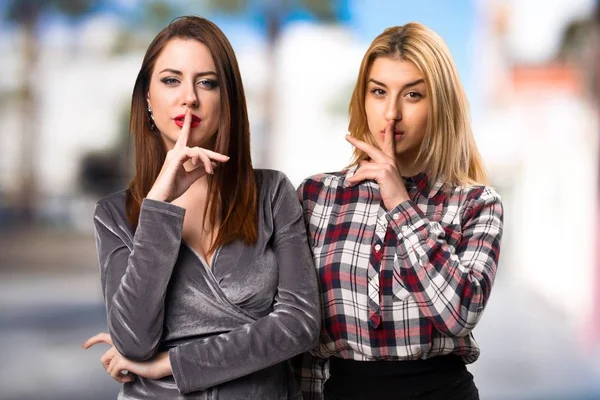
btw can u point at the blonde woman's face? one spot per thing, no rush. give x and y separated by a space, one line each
396 90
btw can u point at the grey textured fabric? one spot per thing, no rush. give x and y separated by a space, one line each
229 327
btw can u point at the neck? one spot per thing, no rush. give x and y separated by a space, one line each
196 195
408 167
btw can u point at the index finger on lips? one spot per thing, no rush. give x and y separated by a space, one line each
184 135
389 147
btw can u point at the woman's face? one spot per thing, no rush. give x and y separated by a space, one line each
184 76
396 90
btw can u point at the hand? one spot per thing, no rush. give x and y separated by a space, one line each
382 168
173 179
115 364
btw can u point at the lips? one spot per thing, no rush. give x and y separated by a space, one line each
397 133
180 118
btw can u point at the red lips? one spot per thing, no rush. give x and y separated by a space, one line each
179 120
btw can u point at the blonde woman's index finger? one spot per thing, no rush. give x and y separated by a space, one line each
184 135
389 144
372 151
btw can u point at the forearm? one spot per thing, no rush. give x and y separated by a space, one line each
291 328
270 340
136 279
450 285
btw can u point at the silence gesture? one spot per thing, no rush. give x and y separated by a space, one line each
173 179
381 168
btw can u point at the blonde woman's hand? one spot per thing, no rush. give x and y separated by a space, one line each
173 179
381 168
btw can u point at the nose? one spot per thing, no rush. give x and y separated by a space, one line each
189 97
392 110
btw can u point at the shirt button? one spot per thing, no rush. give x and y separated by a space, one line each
404 228
396 216
377 247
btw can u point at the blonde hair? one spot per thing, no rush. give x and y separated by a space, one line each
448 150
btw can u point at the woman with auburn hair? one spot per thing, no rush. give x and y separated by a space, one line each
406 239
205 268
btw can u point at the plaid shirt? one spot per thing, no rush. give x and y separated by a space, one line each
405 284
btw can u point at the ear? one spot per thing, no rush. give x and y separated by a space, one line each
148 100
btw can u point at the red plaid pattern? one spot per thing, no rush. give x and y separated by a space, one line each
405 284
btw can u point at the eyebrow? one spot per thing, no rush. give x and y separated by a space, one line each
176 72
409 84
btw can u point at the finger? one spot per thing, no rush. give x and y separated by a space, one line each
184 135
389 147
366 171
197 153
371 171
115 368
213 154
102 337
206 161
127 378
198 173
107 357
111 368
372 151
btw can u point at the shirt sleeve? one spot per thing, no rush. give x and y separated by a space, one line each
291 328
135 274
450 285
311 373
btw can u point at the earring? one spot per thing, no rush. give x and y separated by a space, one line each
152 124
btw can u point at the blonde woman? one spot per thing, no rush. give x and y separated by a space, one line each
406 240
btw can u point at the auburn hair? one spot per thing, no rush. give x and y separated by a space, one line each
232 190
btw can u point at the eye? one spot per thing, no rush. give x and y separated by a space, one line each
414 95
208 83
378 92
169 81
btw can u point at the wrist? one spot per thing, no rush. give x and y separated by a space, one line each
165 365
393 203
157 196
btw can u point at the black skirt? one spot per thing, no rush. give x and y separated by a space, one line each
438 378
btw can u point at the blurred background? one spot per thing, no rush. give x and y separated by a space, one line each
532 73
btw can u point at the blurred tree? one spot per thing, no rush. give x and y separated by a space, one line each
274 14
27 14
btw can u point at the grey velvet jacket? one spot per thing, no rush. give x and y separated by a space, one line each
229 327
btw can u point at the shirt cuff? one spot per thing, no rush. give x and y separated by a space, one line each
161 206
178 376
405 218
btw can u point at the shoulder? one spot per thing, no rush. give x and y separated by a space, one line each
111 209
269 177
481 194
116 199
272 184
478 200
316 183
270 180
